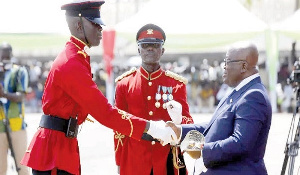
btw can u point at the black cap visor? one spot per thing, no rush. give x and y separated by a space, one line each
96 20
150 40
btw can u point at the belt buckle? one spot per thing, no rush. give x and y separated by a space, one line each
72 129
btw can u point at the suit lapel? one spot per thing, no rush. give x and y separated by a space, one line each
230 101
223 106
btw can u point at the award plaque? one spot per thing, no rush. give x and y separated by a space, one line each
192 144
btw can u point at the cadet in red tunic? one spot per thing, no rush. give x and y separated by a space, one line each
144 92
71 94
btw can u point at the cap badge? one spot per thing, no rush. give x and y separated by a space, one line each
149 31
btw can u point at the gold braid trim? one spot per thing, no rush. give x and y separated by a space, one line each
125 74
187 120
89 120
119 136
126 117
80 52
176 76
176 161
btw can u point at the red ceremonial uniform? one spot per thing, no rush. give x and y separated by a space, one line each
136 93
70 91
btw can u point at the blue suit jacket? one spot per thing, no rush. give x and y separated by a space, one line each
236 136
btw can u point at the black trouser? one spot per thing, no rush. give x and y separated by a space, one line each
170 166
59 172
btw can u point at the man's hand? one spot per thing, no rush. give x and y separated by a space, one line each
177 131
175 111
158 130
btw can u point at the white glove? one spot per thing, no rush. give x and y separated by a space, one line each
175 111
158 130
175 141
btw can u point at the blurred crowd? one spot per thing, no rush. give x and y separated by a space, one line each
38 72
286 98
205 81
205 85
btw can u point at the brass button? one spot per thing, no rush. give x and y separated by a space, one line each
150 83
149 97
153 142
150 113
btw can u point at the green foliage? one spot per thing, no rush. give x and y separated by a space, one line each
34 41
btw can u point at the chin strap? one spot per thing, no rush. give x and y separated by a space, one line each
87 42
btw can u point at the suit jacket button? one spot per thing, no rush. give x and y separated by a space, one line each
149 97
153 142
150 83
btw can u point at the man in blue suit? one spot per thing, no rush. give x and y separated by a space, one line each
236 136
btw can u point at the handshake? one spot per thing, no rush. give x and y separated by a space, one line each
168 132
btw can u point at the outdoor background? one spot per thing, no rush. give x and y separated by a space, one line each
198 35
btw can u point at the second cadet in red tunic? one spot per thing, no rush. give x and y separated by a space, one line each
143 92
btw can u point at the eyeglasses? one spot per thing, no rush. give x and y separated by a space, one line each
154 45
231 61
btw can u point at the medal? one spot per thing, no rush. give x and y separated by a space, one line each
157 104
158 89
157 97
170 96
164 96
164 106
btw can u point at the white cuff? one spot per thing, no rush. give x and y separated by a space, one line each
180 133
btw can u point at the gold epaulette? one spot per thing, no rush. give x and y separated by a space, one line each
176 76
125 74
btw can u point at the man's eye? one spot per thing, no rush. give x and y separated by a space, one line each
156 45
145 45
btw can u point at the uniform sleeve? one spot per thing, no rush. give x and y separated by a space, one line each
182 99
187 127
119 138
76 79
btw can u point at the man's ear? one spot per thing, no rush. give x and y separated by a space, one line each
78 26
162 51
139 51
244 67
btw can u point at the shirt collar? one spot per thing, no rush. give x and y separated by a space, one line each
152 75
246 81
